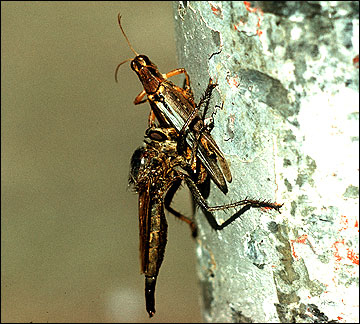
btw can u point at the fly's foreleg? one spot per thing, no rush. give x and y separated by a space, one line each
205 99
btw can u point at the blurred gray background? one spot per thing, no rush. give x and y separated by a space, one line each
69 222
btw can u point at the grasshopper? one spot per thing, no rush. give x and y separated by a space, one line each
174 107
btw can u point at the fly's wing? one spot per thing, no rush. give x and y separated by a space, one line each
138 179
211 166
144 225
224 166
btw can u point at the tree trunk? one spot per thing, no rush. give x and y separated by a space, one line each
287 73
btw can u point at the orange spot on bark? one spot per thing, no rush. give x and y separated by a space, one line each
216 11
302 240
248 7
356 61
354 257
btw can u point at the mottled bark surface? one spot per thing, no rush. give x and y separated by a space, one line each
288 75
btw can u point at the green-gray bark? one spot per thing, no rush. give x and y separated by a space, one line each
288 76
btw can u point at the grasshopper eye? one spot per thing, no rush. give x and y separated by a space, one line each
135 65
140 61
143 59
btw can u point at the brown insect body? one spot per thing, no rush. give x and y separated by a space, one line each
157 171
174 107
152 174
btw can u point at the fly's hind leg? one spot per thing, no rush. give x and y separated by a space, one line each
167 201
246 204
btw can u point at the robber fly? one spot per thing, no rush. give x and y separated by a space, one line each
174 107
157 171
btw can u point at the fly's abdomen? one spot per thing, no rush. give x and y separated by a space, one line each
156 247
157 238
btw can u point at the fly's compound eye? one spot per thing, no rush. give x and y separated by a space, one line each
137 162
156 135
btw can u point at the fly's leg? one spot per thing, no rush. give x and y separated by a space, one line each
150 283
204 132
167 201
246 205
205 100
193 152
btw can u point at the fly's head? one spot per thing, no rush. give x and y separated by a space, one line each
159 134
154 158
146 167
166 142
163 139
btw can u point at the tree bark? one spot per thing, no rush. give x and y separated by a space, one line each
287 73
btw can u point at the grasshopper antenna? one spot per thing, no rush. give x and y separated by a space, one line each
117 68
127 40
